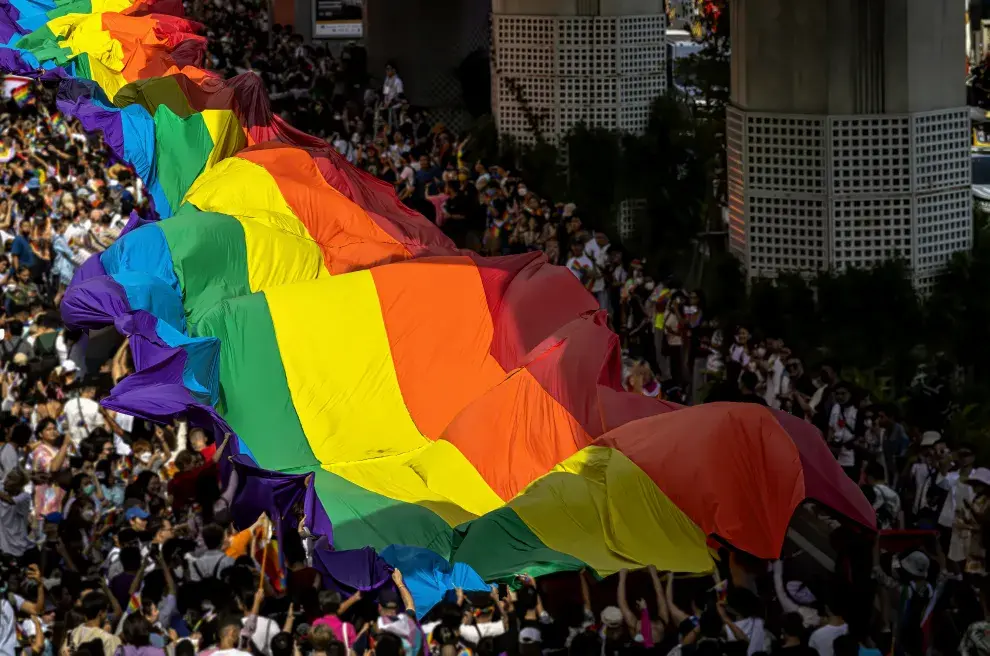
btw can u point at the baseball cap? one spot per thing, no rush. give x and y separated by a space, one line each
136 512
916 564
612 617
980 475
530 635
930 438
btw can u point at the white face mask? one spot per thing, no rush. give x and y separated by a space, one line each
649 286
522 191
145 457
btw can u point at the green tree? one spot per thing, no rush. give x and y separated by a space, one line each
958 310
785 307
724 286
704 78
594 157
475 76
540 166
665 166
871 318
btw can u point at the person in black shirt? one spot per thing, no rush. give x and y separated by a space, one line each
793 637
747 389
708 638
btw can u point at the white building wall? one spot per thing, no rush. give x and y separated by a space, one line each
813 193
575 66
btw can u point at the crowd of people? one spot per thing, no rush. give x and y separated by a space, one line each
116 535
922 589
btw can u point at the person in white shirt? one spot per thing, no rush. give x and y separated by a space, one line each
822 638
777 381
597 250
842 429
746 607
229 631
960 496
393 87
887 503
83 414
930 471
584 269
739 350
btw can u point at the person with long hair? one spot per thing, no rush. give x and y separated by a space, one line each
48 458
136 636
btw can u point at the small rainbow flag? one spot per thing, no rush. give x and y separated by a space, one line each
273 570
22 95
58 123
134 603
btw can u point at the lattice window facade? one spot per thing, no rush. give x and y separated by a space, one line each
639 29
871 154
537 91
831 192
869 231
581 90
601 70
944 227
939 162
786 153
640 90
524 30
735 122
629 210
786 234
648 59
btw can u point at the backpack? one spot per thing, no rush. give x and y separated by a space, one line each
934 496
214 573
44 357
209 586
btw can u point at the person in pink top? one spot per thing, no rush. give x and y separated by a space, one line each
47 459
332 607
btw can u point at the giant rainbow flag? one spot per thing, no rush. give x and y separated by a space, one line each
467 406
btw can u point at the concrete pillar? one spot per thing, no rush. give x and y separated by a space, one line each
847 56
848 138
303 15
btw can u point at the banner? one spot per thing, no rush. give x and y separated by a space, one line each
338 19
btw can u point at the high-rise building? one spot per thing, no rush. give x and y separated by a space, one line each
557 63
848 135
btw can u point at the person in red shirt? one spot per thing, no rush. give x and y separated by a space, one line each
191 465
197 440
